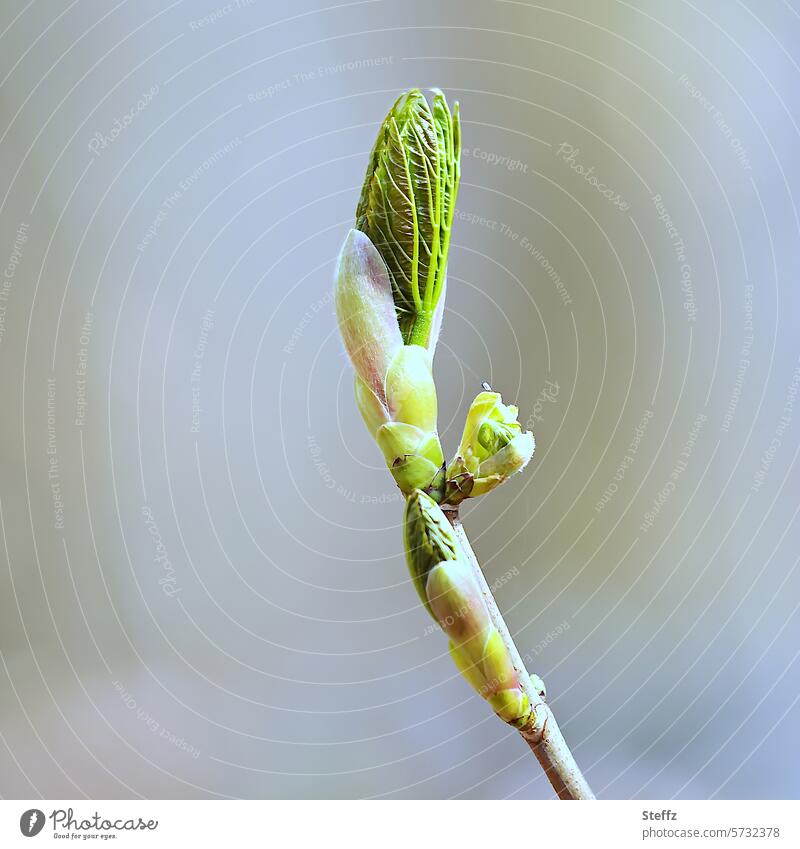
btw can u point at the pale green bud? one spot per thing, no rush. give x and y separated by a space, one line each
410 390
476 646
449 590
455 599
493 447
394 385
365 310
407 392
406 433
414 457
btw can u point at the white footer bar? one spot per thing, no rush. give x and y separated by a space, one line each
407 824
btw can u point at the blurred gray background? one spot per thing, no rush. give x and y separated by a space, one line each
202 585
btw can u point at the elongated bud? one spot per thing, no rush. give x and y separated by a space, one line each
493 447
407 206
394 385
450 592
475 644
365 311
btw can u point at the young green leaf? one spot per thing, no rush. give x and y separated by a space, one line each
408 201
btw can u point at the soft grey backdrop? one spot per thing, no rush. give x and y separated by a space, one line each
202 588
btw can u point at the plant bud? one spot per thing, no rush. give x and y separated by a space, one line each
476 646
394 385
493 447
409 442
410 390
538 684
365 311
414 457
449 590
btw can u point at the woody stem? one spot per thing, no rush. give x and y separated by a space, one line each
542 734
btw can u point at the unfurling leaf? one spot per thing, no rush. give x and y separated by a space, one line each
493 447
407 205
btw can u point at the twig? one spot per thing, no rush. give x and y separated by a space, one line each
542 734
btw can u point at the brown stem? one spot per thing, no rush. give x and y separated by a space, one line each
542 734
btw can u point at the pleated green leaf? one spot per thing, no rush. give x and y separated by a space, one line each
408 201
429 540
